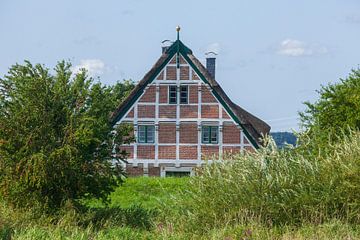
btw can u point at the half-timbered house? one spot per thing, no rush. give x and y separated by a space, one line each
182 117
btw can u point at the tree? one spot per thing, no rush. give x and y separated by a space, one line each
337 110
55 136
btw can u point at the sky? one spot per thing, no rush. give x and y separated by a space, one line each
272 55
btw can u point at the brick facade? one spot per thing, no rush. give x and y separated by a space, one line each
178 134
209 152
146 111
167 111
171 73
188 111
188 152
188 133
167 152
146 152
149 95
231 134
206 95
167 133
210 111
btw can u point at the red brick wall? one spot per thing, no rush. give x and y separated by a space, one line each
167 111
188 152
231 150
246 141
182 60
129 150
209 152
149 95
193 94
194 75
171 73
134 171
209 111
188 133
146 111
161 76
206 95
167 152
224 114
167 133
184 73
154 171
188 111
145 152
163 94
173 60
231 134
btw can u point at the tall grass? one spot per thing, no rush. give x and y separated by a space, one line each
275 187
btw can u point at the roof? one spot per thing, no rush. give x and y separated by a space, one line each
253 127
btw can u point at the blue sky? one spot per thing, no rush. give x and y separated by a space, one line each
272 55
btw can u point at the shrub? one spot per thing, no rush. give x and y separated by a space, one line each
275 187
55 136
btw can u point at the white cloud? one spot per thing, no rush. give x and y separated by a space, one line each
296 48
94 67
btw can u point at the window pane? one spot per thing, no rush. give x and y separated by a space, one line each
214 134
172 94
205 134
141 134
184 94
150 134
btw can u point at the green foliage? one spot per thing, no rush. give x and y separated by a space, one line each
55 136
135 216
275 187
338 109
102 223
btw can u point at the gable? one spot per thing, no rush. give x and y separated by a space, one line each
165 69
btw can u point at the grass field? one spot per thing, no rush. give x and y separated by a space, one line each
154 193
147 192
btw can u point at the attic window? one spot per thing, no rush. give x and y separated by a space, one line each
172 95
184 94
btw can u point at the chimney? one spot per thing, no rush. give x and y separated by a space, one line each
165 45
210 63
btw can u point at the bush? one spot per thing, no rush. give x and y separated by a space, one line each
275 187
55 136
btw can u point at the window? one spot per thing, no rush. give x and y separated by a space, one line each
184 94
146 134
172 95
210 134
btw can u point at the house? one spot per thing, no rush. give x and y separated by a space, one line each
182 117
